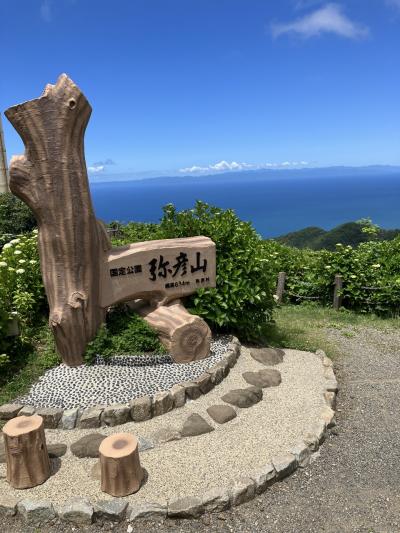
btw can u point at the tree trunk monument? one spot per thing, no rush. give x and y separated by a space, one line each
82 273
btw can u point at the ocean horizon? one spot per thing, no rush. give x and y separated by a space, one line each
275 204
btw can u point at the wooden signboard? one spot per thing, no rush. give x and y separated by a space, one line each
82 274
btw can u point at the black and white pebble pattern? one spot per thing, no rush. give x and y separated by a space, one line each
118 379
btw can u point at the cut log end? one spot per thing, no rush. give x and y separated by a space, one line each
27 457
121 472
187 337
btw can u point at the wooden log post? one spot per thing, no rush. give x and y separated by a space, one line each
337 292
280 287
51 178
121 472
27 458
82 274
187 337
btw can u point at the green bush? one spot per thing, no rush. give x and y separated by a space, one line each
124 333
15 216
242 301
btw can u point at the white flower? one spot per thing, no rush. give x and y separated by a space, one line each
11 269
328 267
35 231
14 313
21 261
3 264
17 252
7 245
33 261
20 271
353 276
275 297
15 241
377 265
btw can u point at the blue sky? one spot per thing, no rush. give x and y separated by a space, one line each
197 86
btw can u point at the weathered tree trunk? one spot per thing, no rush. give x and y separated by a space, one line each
187 337
51 178
27 458
121 472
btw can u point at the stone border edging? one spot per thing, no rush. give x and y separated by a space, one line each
138 409
81 512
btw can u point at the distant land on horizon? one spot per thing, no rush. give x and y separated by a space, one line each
349 233
323 172
275 202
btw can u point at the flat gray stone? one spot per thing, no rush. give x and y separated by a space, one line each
302 453
221 413
319 430
232 356
267 356
243 397
166 434
204 382
162 403
263 378
68 419
188 507
141 408
90 418
78 511
243 490
147 511
8 506
195 425
115 415
114 509
192 389
284 465
56 450
27 410
217 373
9 410
264 478
34 512
87 446
144 444
178 395
217 500
51 416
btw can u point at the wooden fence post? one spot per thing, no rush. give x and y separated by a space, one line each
337 296
280 288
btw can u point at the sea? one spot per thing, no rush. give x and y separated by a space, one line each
275 205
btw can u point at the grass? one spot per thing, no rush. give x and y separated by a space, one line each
302 327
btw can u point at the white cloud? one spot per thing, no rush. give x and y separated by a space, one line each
45 10
327 19
225 166
96 168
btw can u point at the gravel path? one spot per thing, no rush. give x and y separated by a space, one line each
354 486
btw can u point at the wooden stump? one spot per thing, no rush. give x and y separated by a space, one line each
121 473
27 457
187 337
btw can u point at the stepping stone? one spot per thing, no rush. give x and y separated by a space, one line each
56 450
87 446
166 435
263 378
243 397
221 413
195 425
267 356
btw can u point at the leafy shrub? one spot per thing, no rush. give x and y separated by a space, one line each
124 333
242 300
15 216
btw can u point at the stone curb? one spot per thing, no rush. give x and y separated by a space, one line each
138 409
81 512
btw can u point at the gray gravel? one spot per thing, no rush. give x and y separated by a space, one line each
354 485
118 379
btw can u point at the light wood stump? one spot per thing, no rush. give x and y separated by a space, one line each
187 337
121 472
27 457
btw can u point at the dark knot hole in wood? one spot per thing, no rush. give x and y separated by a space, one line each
72 103
119 444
